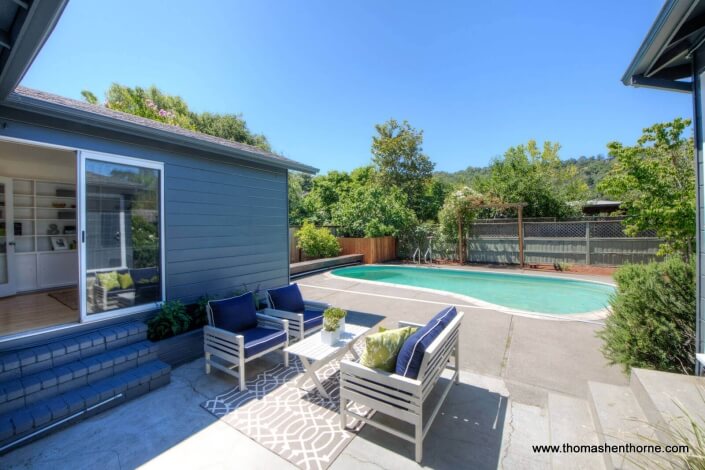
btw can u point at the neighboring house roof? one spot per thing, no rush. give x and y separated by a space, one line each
601 203
664 58
99 116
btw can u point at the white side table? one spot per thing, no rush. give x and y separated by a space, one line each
314 353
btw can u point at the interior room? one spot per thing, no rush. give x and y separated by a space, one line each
38 238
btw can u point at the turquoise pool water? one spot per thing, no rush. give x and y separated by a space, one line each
540 294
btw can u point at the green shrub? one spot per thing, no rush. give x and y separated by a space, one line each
170 321
317 242
652 324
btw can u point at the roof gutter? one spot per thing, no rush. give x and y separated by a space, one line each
104 122
648 42
41 19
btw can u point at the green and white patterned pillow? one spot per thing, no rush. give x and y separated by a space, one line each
382 349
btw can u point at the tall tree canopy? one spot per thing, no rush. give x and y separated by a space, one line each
398 156
655 181
152 103
527 173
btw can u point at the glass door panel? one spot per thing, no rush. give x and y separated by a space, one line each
7 240
122 235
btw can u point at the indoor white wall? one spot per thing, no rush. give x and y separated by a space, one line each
25 161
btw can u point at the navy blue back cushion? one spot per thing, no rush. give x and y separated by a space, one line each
234 314
413 349
287 298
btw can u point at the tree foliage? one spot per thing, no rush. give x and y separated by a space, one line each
652 323
527 173
398 156
152 103
372 211
655 181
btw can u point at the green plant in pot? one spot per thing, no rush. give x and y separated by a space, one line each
333 324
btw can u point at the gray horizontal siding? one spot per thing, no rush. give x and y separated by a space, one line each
226 221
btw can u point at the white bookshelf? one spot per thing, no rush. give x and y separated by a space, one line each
44 210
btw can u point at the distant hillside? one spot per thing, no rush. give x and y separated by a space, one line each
592 169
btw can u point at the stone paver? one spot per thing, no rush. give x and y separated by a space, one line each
501 408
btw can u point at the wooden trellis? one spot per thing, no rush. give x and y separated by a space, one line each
499 205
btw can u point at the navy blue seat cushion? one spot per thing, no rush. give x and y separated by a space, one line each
260 339
287 298
234 314
312 318
413 349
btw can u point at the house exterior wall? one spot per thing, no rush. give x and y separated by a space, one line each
226 221
699 133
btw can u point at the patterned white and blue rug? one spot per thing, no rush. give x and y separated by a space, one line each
295 423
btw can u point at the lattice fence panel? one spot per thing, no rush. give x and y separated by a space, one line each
554 230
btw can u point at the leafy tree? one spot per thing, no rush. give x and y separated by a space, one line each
655 181
432 199
527 173
399 159
152 103
591 170
372 211
299 185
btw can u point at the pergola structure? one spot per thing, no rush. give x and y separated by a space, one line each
498 205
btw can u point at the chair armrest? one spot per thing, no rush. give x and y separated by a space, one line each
271 312
409 323
380 376
312 304
268 320
223 334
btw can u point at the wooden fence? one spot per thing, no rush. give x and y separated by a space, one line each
595 241
374 250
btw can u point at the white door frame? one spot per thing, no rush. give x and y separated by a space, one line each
9 287
84 155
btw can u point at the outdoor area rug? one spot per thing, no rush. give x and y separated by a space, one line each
67 297
297 424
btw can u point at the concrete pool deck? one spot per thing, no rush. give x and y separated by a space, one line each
524 382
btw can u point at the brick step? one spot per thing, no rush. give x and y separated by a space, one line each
27 390
24 425
17 364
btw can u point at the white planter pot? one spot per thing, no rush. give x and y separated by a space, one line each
330 337
341 325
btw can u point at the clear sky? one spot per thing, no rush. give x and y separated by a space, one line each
315 76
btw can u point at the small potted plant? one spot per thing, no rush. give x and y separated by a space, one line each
333 322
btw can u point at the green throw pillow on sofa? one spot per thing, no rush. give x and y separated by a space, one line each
109 281
382 349
125 281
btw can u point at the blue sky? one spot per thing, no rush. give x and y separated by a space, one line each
315 76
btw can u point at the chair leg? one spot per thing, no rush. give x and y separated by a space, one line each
343 417
457 361
286 359
241 374
208 363
418 440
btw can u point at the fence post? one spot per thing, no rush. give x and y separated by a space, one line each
520 234
587 243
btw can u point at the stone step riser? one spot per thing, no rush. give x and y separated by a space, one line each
30 361
46 384
75 405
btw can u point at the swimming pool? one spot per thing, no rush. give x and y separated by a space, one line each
537 294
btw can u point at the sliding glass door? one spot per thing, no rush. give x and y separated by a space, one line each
122 235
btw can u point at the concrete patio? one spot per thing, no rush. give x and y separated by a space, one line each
524 382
